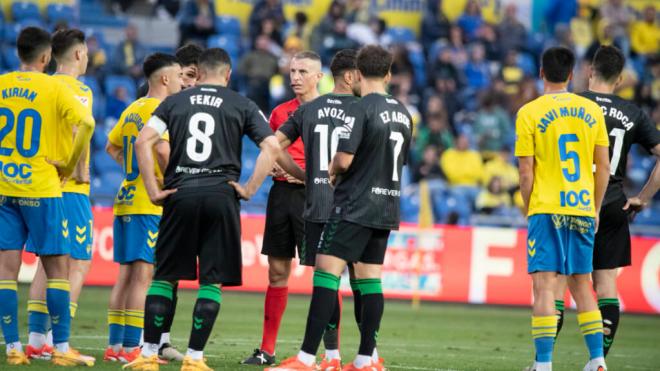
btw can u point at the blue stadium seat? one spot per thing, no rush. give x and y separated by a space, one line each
232 44
418 61
103 163
401 35
100 138
104 187
227 25
92 83
112 82
21 11
60 12
10 58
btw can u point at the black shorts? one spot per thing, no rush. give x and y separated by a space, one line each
310 244
285 226
354 242
612 242
200 224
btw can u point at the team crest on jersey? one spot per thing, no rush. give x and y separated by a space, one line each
83 100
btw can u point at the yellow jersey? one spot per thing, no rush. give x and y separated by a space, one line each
561 132
132 197
33 107
84 94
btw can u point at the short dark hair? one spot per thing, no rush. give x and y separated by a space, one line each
65 39
31 42
156 61
307 54
189 54
557 63
374 61
608 63
344 60
214 58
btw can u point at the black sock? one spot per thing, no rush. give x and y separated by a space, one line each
609 309
559 307
357 302
157 306
331 334
324 300
167 327
204 315
373 305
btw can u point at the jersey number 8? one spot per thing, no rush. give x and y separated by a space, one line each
200 136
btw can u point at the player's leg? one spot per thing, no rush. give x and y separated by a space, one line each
78 211
38 317
13 234
140 279
544 320
560 293
604 281
166 350
116 311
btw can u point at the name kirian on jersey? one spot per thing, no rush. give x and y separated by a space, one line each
618 115
19 93
206 100
579 113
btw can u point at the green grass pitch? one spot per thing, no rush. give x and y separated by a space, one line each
435 337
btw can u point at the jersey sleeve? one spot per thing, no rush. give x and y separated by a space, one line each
68 106
350 138
602 139
114 137
256 126
292 128
524 135
646 134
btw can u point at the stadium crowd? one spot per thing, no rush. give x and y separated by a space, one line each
462 78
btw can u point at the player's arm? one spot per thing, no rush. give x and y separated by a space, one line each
162 149
526 174
149 136
651 187
270 150
284 160
116 152
348 142
602 176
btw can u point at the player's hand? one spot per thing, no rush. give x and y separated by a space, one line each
62 170
596 222
277 172
293 180
633 206
242 192
160 196
333 179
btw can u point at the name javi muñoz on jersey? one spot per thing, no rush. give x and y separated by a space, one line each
377 131
626 125
132 197
319 123
33 108
206 125
561 132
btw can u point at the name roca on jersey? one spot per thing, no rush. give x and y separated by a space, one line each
614 113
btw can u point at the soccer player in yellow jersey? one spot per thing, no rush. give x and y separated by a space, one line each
559 138
70 53
136 218
33 107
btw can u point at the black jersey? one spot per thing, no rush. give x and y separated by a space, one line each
319 123
378 133
626 124
206 125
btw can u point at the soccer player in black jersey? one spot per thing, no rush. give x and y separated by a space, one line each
626 124
319 124
366 169
201 218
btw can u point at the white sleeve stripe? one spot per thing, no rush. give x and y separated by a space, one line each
157 124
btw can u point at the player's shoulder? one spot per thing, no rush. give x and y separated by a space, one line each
585 101
286 107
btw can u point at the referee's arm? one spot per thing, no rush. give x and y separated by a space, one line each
270 151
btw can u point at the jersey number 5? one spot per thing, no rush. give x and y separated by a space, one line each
198 135
566 155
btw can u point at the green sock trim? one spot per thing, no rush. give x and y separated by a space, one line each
355 285
210 292
327 280
610 301
371 286
161 288
559 304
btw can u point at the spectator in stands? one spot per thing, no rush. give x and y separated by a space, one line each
326 28
511 73
618 16
511 32
492 126
117 103
435 25
258 66
500 165
462 165
265 9
270 29
428 168
444 67
300 29
459 54
471 21
445 90
129 54
357 11
197 21
476 71
435 133
335 41
528 91
401 65
97 59
487 36
493 198
645 34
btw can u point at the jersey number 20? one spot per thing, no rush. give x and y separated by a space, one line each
32 146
